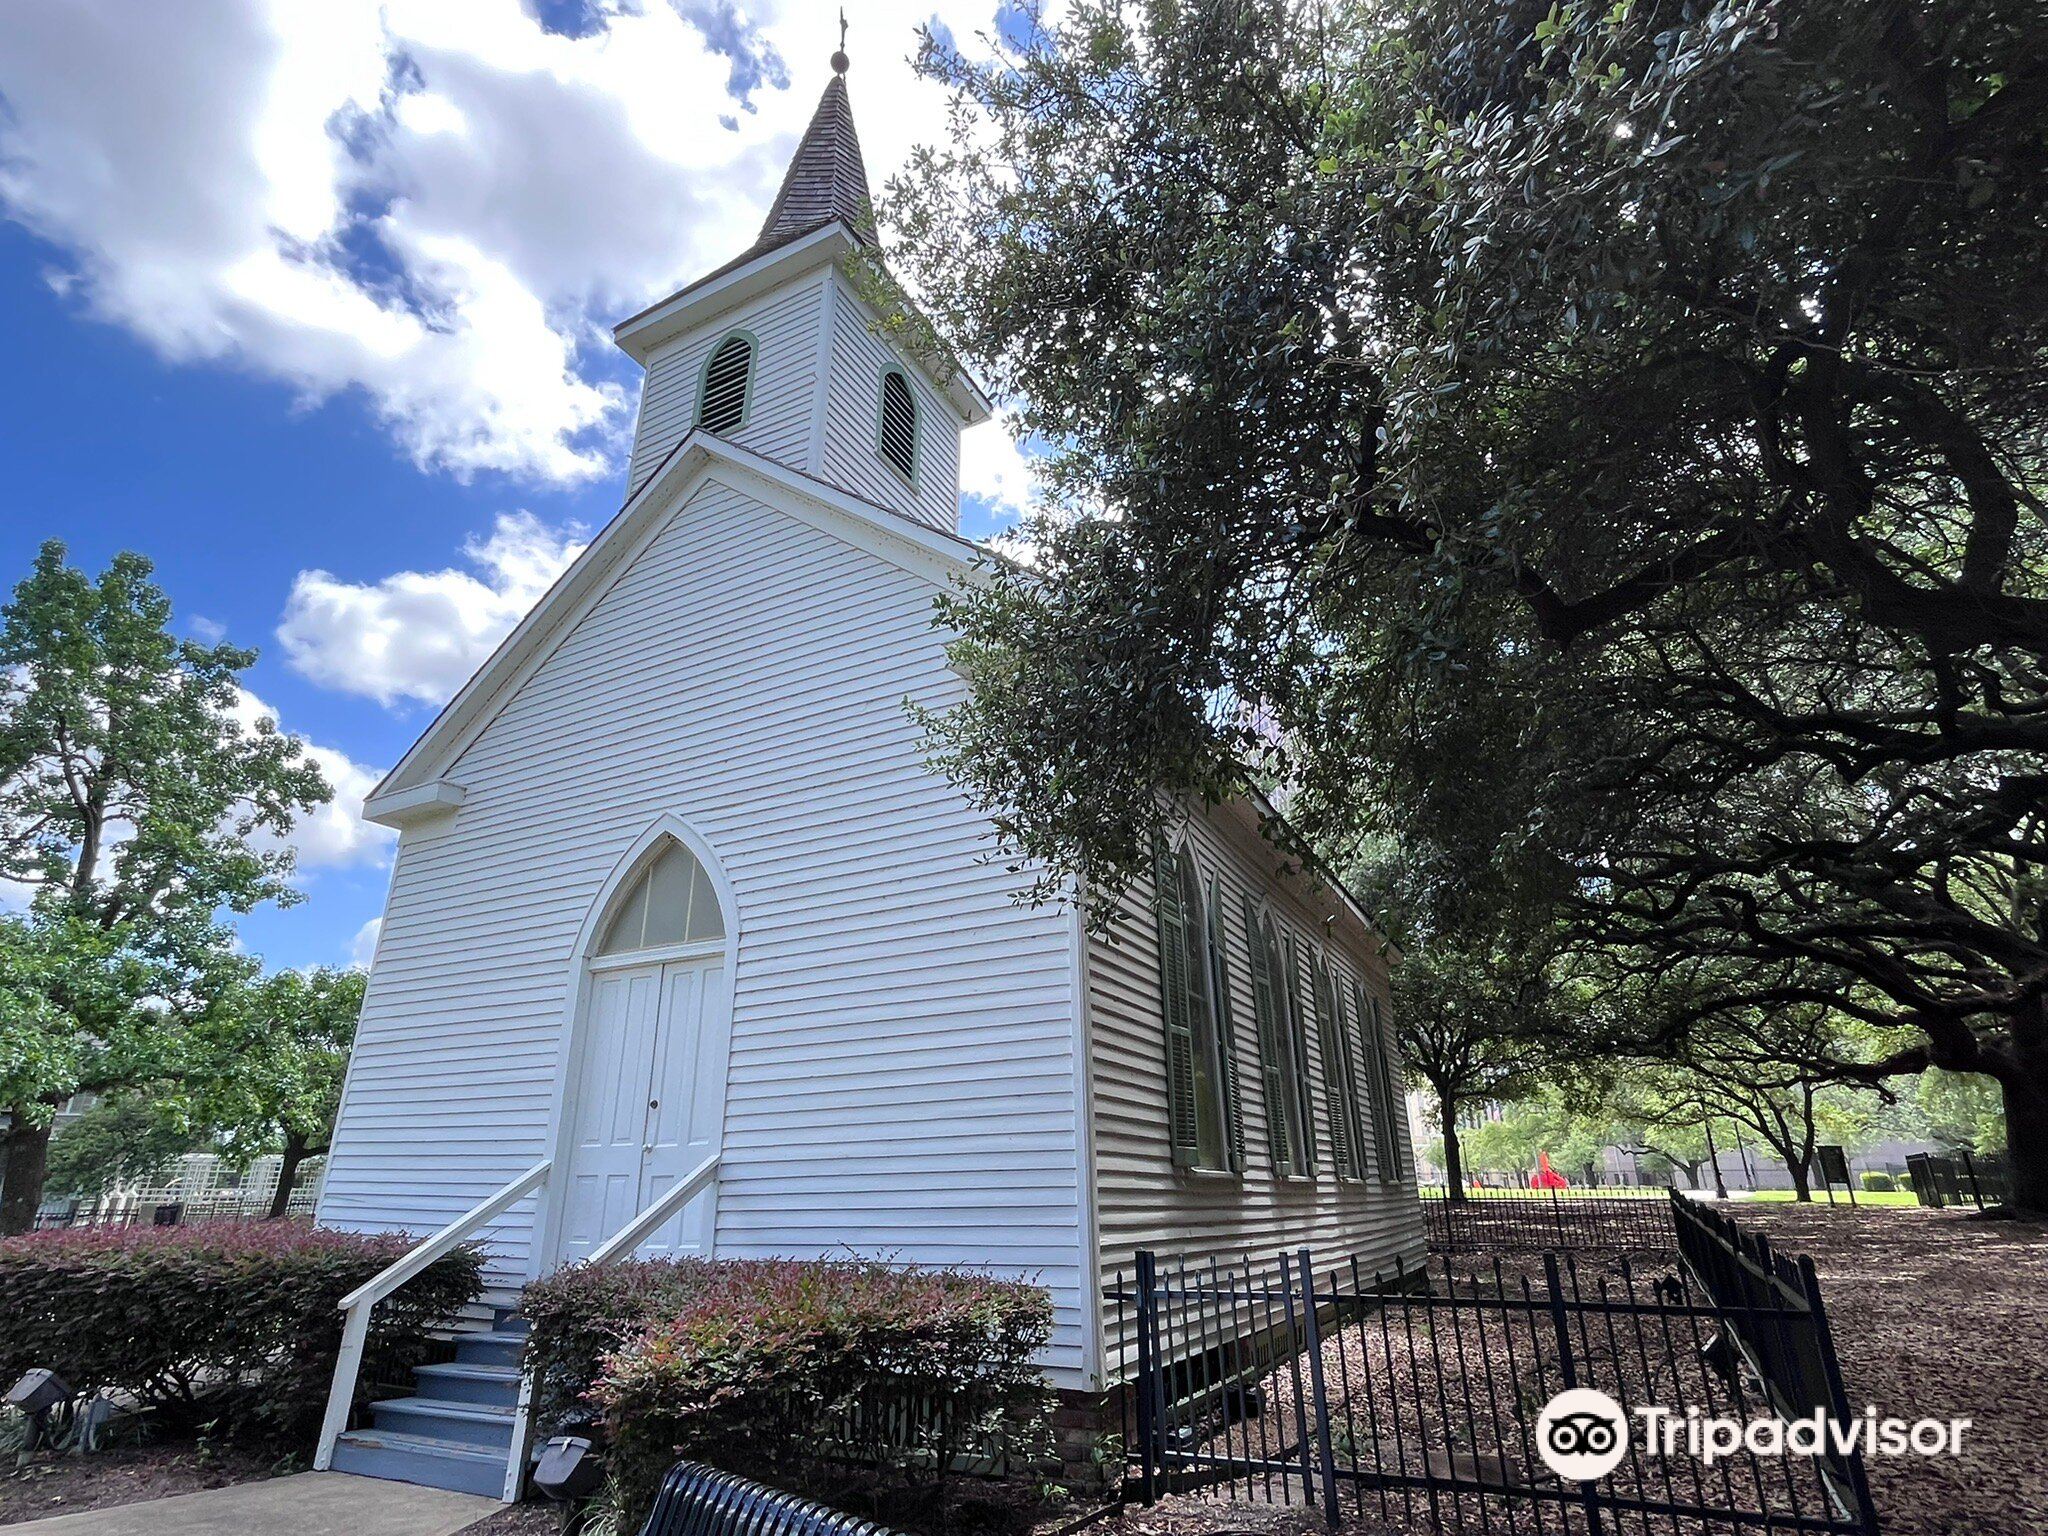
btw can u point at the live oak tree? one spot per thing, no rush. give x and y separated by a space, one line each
1606 439
1480 1005
138 812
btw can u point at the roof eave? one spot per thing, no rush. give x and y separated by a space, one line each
640 335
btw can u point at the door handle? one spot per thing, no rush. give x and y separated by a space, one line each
648 1148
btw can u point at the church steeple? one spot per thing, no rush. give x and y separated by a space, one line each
828 179
785 351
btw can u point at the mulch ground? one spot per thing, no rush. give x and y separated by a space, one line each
1934 1314
119 1475
1938 1314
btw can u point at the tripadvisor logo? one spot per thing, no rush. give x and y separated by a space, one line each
1583 1434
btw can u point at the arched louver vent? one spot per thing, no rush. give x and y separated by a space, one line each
725 385
899 425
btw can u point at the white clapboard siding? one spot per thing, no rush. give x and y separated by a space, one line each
782 402
1142 1200
852 453
902 1072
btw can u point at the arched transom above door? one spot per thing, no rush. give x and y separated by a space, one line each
670 902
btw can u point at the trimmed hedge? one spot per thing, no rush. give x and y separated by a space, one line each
1878 1183
230 1326
778 1367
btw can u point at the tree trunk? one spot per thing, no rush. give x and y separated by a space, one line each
1454 1156
287 1175
2025 1095
1802 1187
28 1161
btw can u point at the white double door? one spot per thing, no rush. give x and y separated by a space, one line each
649 1103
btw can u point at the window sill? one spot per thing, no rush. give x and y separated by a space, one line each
1306 1179
1209 1175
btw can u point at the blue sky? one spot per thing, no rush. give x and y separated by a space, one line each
312 312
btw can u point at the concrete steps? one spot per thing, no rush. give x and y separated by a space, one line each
455 1432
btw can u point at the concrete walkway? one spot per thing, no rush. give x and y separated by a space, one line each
309 1504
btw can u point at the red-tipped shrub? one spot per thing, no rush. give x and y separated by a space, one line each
778 1366
229 1324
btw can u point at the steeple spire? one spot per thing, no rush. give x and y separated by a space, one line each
828 179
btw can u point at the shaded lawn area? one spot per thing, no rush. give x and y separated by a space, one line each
1938 1313
1934 1314
1900 1198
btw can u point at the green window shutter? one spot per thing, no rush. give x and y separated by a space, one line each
1297 1042
1175 998
1346 1147
1226 1032
1367 1066
1390 1133
1336 1082
1266 1011
1379 1079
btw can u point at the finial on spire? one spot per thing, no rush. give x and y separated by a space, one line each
839 59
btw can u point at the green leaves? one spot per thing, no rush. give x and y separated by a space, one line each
133 804
1559 439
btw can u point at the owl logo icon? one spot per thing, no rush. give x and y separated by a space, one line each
1582 1434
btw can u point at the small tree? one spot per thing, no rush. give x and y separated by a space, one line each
1472 1025
266 1071
133 801
133 1137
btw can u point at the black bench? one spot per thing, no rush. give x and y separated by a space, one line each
697 1500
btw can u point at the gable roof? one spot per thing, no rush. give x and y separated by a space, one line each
940 557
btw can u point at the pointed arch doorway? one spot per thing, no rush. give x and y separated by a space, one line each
648 1103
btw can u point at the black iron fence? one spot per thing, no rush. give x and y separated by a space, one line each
1533 1220
1958 1180
168 1213
1416 1396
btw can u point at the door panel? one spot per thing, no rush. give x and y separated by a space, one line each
605 1160
686 1109
649 1106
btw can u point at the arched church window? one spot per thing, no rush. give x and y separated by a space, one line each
722 401
672 901
898 437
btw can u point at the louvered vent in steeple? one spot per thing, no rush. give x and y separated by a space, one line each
726 376
899 424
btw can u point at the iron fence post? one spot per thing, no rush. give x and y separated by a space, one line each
1148 1375
1294 1344
1838 1395
1568 1370
1324 1452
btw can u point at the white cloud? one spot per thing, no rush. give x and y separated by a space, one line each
437 205
363 949
420 634
334 836
995 468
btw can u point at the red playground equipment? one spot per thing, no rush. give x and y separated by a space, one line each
1547 1177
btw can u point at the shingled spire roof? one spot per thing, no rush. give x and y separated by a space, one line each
827 180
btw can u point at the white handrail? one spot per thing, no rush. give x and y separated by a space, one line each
635 1232
623 1241
358 1303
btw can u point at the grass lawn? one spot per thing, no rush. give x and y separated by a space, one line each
1863 1197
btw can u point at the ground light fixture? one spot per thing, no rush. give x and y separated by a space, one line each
569 1469
39 1394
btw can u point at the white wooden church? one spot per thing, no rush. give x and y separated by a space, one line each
689 950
